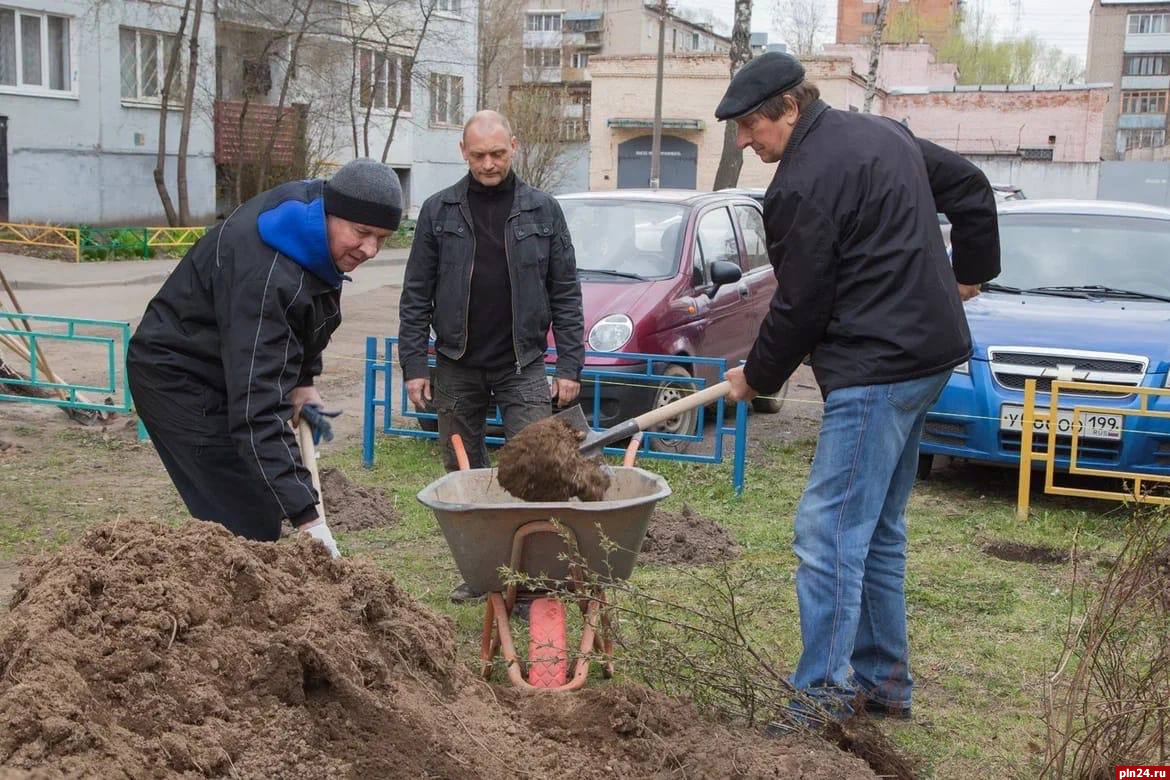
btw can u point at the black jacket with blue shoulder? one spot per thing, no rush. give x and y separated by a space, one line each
240 322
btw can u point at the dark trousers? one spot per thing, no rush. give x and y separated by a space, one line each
215 482
463 396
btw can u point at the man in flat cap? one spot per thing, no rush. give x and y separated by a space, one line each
226 353
866 288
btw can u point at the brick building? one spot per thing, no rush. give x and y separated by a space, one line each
1045 138
856 18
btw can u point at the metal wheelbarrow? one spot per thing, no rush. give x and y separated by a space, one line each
488 530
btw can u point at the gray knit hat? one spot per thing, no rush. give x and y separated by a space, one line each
365 191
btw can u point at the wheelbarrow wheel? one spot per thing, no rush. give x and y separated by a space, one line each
548 652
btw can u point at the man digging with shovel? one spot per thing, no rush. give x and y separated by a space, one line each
226 353
865 286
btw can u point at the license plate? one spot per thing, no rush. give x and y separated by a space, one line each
1094 425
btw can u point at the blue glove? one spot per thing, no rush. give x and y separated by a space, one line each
318 420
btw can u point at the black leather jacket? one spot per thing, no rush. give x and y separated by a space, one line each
436 291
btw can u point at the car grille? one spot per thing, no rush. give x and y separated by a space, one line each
1012 367
941 432
1095 451
1162 454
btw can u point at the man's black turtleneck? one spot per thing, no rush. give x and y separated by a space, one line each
489 315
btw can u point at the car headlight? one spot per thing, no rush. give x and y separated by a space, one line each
963 368
611 333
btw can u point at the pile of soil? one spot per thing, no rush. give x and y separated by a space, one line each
147 651
351 507
542 463
686 538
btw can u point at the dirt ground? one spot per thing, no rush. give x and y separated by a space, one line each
144 650
158 646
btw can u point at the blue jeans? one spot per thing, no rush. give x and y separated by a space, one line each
851 543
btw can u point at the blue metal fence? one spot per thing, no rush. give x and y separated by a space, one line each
108 335
387 409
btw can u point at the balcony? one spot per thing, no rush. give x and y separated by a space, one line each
533 75
1145 82
1141 121
250 138
1147 42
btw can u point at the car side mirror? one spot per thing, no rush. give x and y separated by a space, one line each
723 272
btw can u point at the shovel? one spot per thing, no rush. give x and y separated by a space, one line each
309 458
596 441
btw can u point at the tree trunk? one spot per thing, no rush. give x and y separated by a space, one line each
875 55
266 154
188 110
422 34
160 160
731 160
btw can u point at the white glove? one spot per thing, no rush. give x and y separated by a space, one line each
320 531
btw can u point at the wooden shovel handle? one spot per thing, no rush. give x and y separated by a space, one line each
309 459
675 408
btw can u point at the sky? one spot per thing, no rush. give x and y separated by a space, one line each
1056 22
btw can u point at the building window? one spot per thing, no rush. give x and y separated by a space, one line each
695 41
580 59
869 17
1147 64
543 22
145 58
1143 102
384 78
449 6
34 51
542 58
446 99
1149 24
1144 138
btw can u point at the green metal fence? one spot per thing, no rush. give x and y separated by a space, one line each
109 337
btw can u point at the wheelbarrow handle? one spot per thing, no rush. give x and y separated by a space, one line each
460 452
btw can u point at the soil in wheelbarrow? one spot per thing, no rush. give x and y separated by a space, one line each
144 650
686 538
543 463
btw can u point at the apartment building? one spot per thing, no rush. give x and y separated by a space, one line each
80 99
1129 47
559 38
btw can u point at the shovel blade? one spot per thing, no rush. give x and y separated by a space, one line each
574 417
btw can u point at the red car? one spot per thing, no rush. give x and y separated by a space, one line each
669 272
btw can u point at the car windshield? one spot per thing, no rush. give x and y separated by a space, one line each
1113 256
625 238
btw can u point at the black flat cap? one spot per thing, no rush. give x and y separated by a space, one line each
761 78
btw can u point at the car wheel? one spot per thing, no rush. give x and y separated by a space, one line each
925 464
770 404
669 392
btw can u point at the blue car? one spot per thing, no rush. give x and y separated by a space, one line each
1084 294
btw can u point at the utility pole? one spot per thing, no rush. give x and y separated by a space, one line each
656 143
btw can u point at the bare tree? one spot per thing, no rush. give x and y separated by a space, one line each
294 49
185 125
160 160
731 160
801 23
499 47
537 114
875 54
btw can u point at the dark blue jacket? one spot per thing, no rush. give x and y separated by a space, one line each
241 321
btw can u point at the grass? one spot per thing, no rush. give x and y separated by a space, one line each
985 633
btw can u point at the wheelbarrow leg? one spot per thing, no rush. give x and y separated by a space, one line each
487 642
